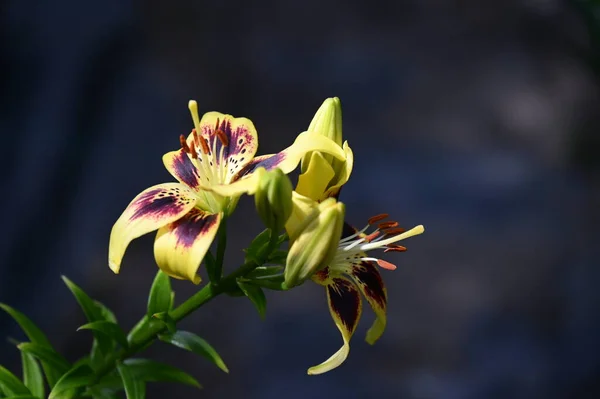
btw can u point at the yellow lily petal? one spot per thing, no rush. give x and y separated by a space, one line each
345 306
303 208
181 167
370 283
343 174
150 210
313 183
180 246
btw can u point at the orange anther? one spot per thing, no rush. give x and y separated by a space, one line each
377 218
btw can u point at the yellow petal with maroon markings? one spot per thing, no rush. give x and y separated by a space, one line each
150 210
368 279
181 167
180 246
345 306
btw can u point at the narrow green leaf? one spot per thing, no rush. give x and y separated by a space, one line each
21 397
149 370
165 318
92 312
193 343
11 384
211 267
67 386
256 295
50 356
159 299
135 388
36 336
32 375
32 331
106 313
109 329
278 257
264 272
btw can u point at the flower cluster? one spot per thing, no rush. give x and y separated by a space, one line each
216 164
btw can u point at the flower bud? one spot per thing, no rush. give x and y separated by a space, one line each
315 245
273 199
326 122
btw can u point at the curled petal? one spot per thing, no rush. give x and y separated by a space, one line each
181 167
314 182
150 210
343 174
288 159
345 306
368 279
180 246
233 140
302 209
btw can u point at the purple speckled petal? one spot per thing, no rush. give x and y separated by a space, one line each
179 164
368 279
180 246
150 210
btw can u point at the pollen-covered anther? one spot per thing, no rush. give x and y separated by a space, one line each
386 265
387 225
372 236
193 151
204 145
395 248
378 218
184 145
222 137
394 231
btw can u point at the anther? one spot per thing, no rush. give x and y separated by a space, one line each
393 232
193 151
395 248
195 135
222 137
371 236
386 265
204 145
378 218
387 225
183 143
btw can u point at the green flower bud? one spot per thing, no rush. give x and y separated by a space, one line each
273 199
316 244
326 122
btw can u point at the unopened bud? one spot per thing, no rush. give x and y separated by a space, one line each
317 242
273 199
326 122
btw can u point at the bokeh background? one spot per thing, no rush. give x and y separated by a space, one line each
478 119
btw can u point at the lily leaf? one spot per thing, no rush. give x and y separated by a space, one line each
92 312
32 375
11 384
278 257
264 272
256 295
21 397
134 387
67 386
159 299
259 244
149 370
193 343
36 336
110 329
48 355
105 312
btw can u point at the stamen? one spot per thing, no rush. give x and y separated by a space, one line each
371 236
412 232
378 218
387 225
222 137
393 232
184 145
204 146
395 248
193 107
195 135
386 265
193 151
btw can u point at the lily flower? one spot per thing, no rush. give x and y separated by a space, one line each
219 151
322 175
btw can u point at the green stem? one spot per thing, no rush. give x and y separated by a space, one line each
221 245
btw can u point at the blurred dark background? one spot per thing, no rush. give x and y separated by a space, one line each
478 119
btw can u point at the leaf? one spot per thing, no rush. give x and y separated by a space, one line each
32 375
264 272
211 267
193 343
159 299
278 257
11 384
67 386
149 370
256 295
253 252
134 387
21 397
109 329
48 355
105 312
32 331
167 320
92 312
